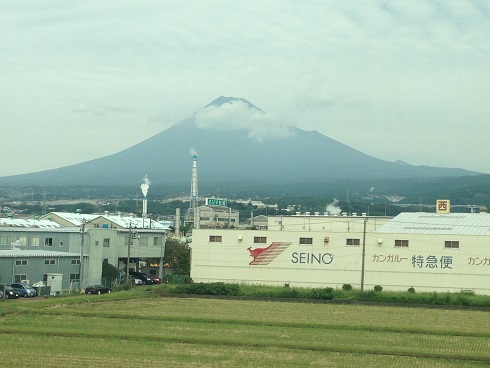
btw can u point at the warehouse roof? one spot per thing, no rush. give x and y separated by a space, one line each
16 222
77 219
434 223
35 253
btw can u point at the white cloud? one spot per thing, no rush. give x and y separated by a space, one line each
238 115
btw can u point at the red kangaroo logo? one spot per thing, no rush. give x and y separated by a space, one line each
255 252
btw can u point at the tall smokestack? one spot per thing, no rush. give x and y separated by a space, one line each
177 222
144 189
191 212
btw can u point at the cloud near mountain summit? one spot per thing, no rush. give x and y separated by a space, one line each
238 115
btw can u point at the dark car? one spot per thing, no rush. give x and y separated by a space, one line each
97 289
10 293
25 290
143 277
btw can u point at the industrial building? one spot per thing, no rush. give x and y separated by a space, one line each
216 217
426 251
74 246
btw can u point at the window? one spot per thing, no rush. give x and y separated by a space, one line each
305 241
143 241
50 261
20 278
21 262
35 241
401 243
157 240
74 277
75 261
96 243
355 242
260 239
215 238
3 240
48 242
106 242
45 278
451 244
23 240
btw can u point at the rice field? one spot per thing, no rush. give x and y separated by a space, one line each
121 330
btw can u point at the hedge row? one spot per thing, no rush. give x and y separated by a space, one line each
346 294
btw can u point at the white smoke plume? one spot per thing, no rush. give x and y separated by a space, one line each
145 186
333 209
238 115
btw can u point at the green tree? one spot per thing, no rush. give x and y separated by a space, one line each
178 255
109 271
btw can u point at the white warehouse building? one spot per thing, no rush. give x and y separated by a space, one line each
426 251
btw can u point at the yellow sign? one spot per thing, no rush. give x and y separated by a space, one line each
443 206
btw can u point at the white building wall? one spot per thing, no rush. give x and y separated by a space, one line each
425 264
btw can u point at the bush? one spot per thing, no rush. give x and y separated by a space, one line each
378 288
411 290
124 286
213 288
322 294
288 293
347 287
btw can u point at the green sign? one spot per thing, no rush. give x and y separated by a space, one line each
216 202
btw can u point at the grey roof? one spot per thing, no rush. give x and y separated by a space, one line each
434 223
16 222
35 253
78 219
138 222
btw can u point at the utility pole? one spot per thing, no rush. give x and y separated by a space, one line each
131 234
81 268
363 254
162 254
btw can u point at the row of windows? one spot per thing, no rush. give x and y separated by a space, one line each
145 241
48 242
22 240
49 262
21 278
448 244
399 243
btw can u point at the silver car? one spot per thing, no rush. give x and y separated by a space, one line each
24 290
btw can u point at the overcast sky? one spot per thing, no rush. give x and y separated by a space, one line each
398 80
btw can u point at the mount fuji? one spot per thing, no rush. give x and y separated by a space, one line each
236 142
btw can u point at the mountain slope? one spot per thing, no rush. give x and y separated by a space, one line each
236 143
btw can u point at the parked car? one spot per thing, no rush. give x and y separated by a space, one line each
11 293
97 289
135 280
142 276
25 290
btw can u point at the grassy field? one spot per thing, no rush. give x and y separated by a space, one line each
128 329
